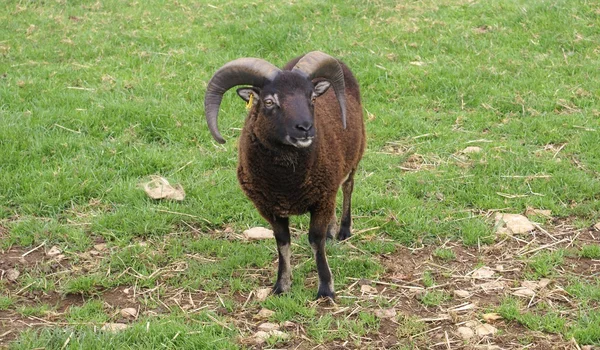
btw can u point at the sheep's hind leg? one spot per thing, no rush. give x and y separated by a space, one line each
281 231
317 235
346 223
332 227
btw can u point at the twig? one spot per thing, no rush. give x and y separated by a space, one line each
427 331
67 341
544 231
183 167
545 246
217 321
391 284
559 149
527 176
425 135
80 88
34 249
65 128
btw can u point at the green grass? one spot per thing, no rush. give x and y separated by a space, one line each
444 254
96 97
544 264
434 298
586 330
590 251
6 302
145 334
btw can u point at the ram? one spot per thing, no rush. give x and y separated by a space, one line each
299 144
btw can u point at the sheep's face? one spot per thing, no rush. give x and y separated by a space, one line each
286 108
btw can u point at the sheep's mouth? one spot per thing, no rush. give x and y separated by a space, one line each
299 143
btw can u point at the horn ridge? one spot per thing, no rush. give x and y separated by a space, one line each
243 71
317 64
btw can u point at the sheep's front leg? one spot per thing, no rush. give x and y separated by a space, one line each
317 235
281 230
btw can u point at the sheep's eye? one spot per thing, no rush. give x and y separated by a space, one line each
269 102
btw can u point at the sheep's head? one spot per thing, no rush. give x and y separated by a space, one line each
285 99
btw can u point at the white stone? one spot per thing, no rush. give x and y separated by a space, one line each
12 274
129 312
485 330
258 233
385 313
53 251
465 333
471 149
513 223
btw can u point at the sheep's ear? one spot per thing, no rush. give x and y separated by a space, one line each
321 87
246 92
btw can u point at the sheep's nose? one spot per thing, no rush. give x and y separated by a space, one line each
304 126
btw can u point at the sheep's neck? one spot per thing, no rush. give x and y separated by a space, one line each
291 159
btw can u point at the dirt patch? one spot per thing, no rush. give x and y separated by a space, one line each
433 295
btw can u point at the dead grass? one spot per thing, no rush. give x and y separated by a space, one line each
473 284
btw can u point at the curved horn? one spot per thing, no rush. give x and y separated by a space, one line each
243 71
317 64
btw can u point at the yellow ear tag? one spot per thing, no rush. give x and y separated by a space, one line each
250 102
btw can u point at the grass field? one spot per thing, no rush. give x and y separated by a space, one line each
97 97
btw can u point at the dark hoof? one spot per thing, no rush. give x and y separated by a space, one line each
325 293
329 235
344 234
278 290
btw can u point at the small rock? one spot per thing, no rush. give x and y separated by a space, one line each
492 285
260 337
94 252
114 327
159 188
264 314
471 149
539 212
262 294
385 313
53 251
471 324
524 292
530 284
462 293
483 272
513 223
85 256
544 282
12 275
279 334
485 330
257 233
597 226
129 312
491 317
100 247
267 327
465 333
365 288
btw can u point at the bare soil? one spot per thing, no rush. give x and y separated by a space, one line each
401 286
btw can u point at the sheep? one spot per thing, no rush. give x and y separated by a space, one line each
300 143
